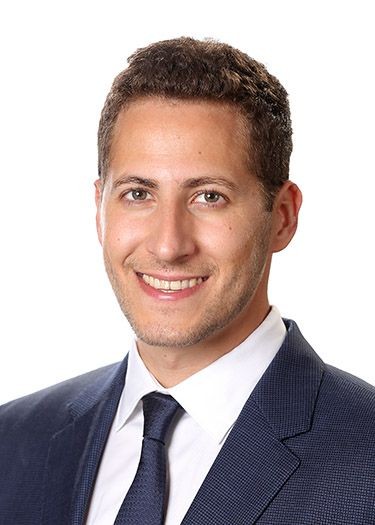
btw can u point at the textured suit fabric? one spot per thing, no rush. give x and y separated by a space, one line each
144 503
302 451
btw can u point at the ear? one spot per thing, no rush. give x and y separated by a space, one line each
285 215
98 201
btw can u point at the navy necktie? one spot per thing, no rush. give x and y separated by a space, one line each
145 502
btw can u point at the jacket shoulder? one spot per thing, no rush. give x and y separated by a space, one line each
349 389
346 405
48 407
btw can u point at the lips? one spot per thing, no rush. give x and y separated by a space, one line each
172 285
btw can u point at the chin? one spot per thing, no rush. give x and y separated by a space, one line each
167 338
163 335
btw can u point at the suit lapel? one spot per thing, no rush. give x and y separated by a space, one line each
254 464
75 450
250 469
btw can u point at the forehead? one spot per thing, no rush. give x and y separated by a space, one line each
183 136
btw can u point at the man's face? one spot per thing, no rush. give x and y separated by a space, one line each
182 222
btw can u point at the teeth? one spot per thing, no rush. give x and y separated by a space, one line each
161 284
164 285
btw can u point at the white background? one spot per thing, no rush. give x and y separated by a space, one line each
57 313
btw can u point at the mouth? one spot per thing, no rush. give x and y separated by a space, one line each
171 286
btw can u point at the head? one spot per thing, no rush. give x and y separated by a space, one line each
192 195
188 69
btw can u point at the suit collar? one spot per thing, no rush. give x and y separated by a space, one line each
75 450
101 386
287 392
254 464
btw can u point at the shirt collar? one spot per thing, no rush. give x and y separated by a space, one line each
215 395
138 382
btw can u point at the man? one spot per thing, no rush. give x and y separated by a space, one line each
247 424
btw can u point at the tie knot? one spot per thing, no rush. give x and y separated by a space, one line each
158 410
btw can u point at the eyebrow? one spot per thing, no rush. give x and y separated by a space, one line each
189 183
206 181
131 179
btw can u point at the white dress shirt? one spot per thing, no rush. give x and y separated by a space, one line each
212 400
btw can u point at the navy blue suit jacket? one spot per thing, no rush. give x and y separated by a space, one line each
301 452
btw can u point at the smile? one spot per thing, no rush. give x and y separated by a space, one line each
171 286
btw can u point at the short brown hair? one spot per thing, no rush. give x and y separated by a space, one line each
187 69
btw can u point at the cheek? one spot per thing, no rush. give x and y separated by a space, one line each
226 242
235 235
120 236
238 240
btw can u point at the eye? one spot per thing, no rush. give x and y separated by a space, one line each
209 197
136 195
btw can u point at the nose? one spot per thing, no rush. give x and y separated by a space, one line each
171 237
